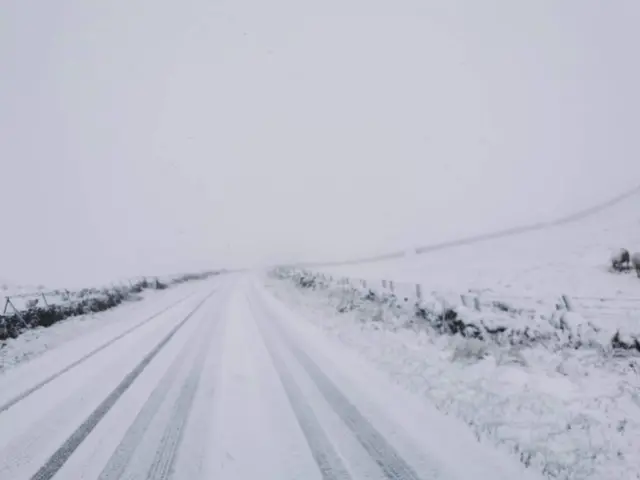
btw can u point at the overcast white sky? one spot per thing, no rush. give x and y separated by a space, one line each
143 136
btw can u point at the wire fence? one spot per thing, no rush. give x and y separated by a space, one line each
617 311
24 310
14 303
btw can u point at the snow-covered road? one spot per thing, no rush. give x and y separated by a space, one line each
226 383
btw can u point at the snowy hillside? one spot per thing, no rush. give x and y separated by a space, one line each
571 259
533 270
491 340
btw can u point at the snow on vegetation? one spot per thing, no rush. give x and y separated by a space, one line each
635 261
551 386
22 311
620 260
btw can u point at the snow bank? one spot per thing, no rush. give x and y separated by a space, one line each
547 385
514 321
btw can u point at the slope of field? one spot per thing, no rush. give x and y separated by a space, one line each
557 390
572 259
549 386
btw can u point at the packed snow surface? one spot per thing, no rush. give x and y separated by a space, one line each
228 383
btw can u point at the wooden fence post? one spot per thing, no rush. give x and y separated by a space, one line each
17 313
567 303
464 299
418 292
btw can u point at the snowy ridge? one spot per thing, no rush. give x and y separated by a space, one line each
509 232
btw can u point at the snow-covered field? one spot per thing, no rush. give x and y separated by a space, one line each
568 413
551 389
491 342
533 271
8 289
571 259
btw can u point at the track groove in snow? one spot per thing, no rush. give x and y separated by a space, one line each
393 466
58 459
120 458
163 464
329 462
391 463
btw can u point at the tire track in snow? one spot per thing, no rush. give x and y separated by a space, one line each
18 398
60 456
327 458
164 461
393 466
119 461
194 449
